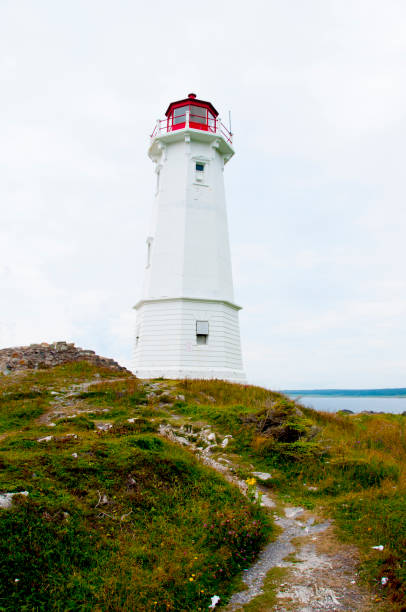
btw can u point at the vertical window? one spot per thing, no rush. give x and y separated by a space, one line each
149 247
199 171
158 177
202 332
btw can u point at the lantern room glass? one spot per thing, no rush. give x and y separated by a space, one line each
200 118
179 114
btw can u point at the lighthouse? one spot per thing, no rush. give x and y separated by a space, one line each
187 320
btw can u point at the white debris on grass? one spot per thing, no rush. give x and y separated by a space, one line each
6 499
75 455
379 547
103 426
214 601
384 580
46 439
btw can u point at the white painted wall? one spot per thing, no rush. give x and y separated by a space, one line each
167 346
188 274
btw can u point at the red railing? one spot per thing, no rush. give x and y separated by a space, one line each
191 121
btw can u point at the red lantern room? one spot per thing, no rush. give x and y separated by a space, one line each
191 114
199 115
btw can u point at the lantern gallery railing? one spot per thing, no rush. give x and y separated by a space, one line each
205 122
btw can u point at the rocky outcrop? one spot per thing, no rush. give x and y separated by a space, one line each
38 356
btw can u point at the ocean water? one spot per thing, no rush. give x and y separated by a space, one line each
394 405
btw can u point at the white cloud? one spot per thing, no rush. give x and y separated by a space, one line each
315 192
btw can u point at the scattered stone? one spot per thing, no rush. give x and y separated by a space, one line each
6 499
180 397
262 475
103 426
223 459
226 441
46 439
293 512
49 355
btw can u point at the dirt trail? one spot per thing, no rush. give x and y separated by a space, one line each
320 573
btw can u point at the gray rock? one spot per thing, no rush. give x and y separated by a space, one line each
262 475
104 426
6 499
49 355
46 439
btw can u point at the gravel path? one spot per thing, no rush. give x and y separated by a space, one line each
320 572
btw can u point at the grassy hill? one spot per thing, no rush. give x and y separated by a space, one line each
119 518
115 519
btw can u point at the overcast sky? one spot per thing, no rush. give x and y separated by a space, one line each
315 192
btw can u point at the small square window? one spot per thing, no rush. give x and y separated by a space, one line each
202 332
202 327
199 167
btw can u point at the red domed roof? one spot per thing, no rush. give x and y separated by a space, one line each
191 99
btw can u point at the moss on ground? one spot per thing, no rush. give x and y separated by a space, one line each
115 520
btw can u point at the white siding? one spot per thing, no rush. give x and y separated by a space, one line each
167 340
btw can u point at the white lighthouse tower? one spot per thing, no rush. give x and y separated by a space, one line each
187 320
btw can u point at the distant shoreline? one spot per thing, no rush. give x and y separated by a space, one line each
400 392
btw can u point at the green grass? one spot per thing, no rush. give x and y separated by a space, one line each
24 396
115 520
172 533
352 467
